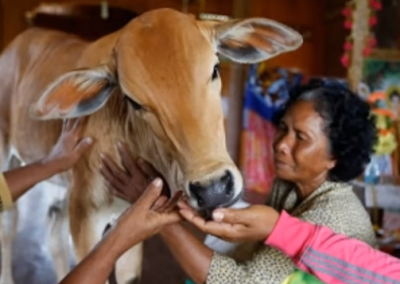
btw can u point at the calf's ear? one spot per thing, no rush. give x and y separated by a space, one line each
75 94
252 40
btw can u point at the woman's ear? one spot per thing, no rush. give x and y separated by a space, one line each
331 164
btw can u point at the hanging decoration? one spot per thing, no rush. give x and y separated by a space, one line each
384 123
369 41
381 88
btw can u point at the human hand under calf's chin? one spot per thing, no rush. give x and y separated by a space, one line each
150 213
254 223
129 183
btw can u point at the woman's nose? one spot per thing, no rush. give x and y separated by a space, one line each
282 144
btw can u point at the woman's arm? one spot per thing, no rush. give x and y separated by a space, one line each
193 256
333 258
97 266
62 157
142 220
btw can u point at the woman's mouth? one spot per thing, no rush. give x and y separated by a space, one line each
281 164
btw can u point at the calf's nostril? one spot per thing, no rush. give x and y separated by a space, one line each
200 201
213 193
227 177
227 181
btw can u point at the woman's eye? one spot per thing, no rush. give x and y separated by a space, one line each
300 136
215 73
282 126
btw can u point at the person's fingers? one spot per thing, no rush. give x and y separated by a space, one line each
119 194
79 124
64 125
222 230
151 194
160 202
173 201
110 179
69 123
83 145
170 205
182 204
231 216
127 158
189 214
76 123
170 218
115 170
166 190
147 168
199 222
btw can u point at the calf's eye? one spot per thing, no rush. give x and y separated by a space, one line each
134 104
215 73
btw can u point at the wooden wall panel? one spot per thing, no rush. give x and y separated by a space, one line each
14 21
307 14
303 15
334 21
1 23
13 18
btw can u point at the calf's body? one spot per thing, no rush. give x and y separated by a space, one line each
35 59
166 63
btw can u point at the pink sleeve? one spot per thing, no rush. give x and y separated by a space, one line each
333 258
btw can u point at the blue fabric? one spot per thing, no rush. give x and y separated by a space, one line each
255 100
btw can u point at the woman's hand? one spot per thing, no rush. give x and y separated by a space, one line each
131 183
146 217
254 223
70 146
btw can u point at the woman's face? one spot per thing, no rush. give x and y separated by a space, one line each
301 147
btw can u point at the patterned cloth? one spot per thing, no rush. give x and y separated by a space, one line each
5 195
257 137
297 277
333 205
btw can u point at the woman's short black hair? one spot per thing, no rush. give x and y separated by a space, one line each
349 125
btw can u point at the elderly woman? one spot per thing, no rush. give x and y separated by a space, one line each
325 135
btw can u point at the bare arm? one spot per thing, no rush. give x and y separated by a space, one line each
63 156
20 180
97 266
142 220
193 256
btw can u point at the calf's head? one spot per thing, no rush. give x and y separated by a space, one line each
166 63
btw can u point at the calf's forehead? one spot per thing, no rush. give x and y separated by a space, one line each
165 45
